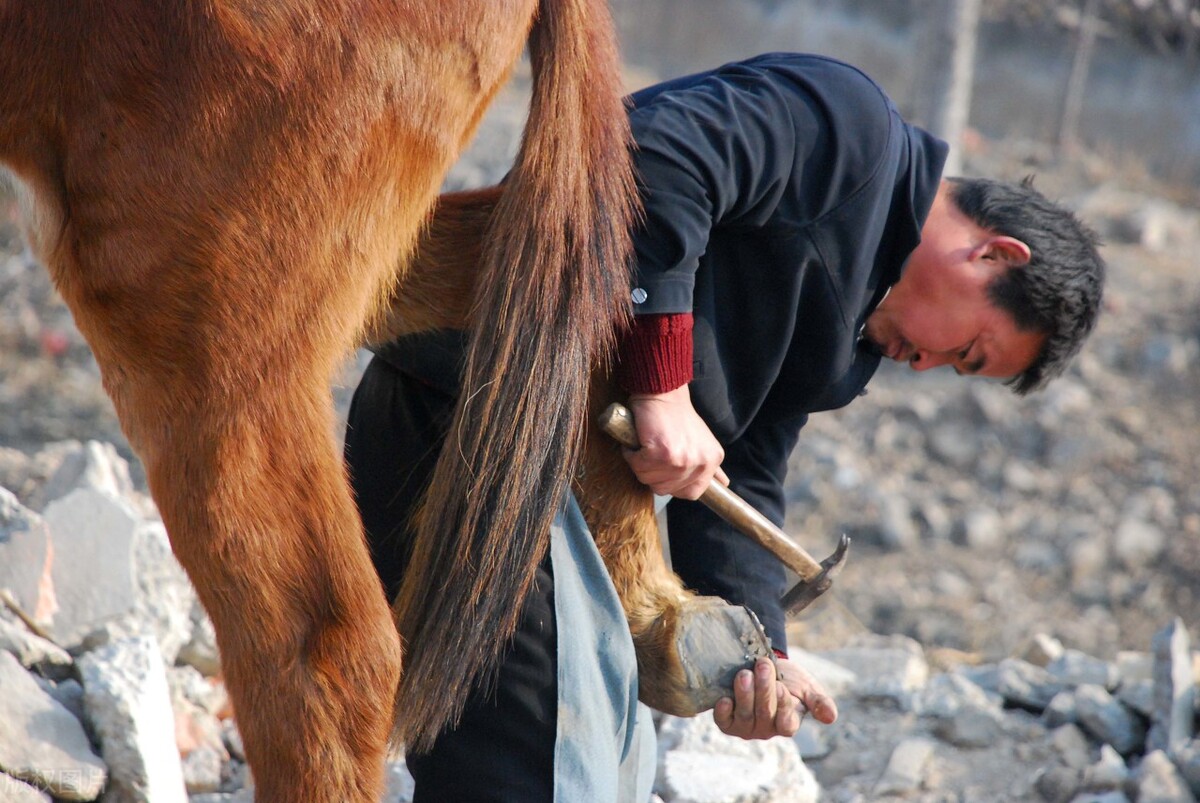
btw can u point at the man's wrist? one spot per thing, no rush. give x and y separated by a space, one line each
655 355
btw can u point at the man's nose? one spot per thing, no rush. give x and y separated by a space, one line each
924 360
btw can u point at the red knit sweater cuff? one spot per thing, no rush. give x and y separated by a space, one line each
656 353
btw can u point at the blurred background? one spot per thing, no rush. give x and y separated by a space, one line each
1117 77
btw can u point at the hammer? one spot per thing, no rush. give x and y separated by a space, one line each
815 578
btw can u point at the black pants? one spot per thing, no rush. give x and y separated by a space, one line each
503 748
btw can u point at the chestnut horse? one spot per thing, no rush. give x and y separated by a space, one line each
225 192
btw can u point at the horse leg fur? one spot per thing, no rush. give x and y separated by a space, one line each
260 518
688 647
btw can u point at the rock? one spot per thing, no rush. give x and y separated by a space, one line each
699 764
1173 720
1026 685
33 651
1187 761
129 704
26 475
971 726
1138 695
116 575
26 558
836 679
1058 784
92 465
1138 543
240 796
1020 477
1101 797
1158 781
891 668
1038 556
165 597
1071 746
93 570
201 650
983 529
1061 710
1075 668
196 729
1134 666
955 443
897 530
14 791
812 739
938 523
1040 650
949 692
68 693
188 685
1109 721
905 769
202 770
1088 559
232 739
1108 774
41 743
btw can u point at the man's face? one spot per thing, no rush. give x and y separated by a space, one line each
939 312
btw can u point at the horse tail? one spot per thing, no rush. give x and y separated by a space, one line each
553 287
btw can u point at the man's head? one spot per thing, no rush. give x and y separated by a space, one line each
1004 283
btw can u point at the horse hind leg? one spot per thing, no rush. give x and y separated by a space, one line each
689 647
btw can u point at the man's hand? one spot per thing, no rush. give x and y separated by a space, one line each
679 454
763 706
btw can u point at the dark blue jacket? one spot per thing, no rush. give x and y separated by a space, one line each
783 195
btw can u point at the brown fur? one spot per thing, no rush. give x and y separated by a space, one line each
223 193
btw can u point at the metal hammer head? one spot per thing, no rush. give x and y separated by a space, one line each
806 592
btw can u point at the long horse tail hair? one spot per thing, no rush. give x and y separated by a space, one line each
554 287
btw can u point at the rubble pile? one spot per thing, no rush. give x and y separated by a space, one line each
110 689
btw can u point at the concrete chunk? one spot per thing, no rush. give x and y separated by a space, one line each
93 573
905 771
885 667
14 791
1106 719
1026 685
699 764
26 558
94 465
41 743
117 575
129 704
1158 781
1173 719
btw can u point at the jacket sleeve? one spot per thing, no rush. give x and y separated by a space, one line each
715 559
720 151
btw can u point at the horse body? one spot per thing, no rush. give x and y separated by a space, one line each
224 193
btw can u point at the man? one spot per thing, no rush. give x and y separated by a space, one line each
797 230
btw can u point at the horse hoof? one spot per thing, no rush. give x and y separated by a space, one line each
712 642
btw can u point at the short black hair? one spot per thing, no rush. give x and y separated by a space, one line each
1058 293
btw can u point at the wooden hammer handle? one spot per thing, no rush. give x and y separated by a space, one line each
617 421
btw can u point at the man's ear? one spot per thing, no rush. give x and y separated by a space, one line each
1009 250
